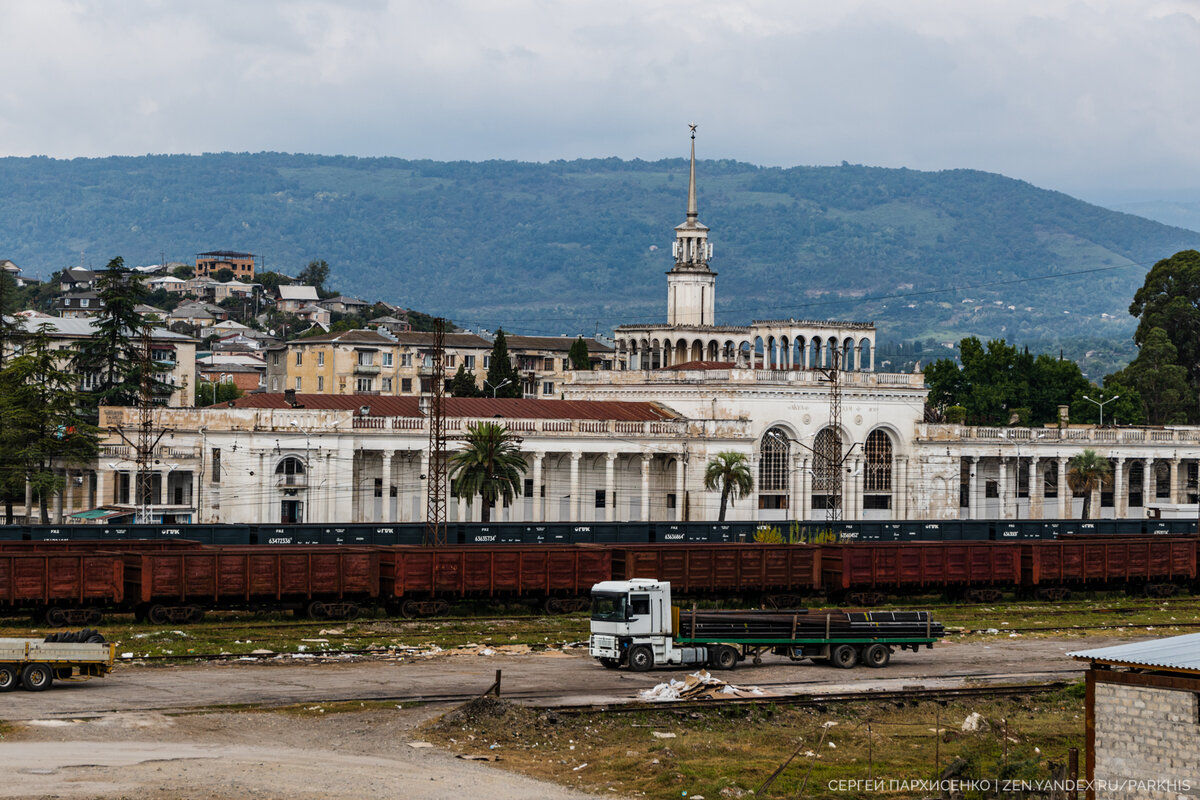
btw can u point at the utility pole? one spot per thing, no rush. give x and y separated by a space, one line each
830 450
435 517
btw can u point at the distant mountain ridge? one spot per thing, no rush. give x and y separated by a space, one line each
571 246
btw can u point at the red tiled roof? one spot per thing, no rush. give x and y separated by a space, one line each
477 407
694 365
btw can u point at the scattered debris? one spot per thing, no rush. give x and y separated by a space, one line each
661 735
698 686
975 723
419 745
479 757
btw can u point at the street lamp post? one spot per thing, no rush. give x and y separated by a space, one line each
498 387
1102 405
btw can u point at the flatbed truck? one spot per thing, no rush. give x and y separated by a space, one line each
34 664
634 624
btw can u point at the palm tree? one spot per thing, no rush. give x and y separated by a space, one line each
729 472
490 465
1086 473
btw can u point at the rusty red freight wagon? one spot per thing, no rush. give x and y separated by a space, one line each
783 574
419 581
87 545
1153 565
321 581
61 588
865 573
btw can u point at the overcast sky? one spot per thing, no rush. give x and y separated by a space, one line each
1099 99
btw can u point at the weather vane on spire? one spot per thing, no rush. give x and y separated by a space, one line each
693 127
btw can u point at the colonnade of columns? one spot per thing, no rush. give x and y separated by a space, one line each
781 350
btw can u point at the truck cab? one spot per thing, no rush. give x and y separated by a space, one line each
632 624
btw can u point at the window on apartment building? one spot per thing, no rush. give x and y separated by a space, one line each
299 358
320 383
385 385
298 384
364 384
366 358
275 359
274 384
449 359
566 364
469 362
83 302
528 488
547 387
425 385
406 385
406 359
216 465
320 359
600 497
487 362
387 359
548 364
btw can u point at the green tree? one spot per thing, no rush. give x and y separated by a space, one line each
184 272
730 473
1122 404
489 466
1170 299
463 383
500 369
209 393
42 429
315 275
271 280
579 355
1161 383
10 326
224 275
1086 473
112 356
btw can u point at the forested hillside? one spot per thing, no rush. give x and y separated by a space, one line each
566 246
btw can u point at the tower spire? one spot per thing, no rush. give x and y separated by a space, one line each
692 213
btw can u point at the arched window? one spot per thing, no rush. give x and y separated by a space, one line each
773 483
878 450
827 463
290 466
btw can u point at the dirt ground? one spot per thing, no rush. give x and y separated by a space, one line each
154 732
237 755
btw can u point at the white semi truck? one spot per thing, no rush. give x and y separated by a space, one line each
635 625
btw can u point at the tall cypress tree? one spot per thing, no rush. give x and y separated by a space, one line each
501 369
579 356
113 356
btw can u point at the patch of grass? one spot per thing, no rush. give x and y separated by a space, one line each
728 751
347 707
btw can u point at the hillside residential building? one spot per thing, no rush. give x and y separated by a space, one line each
345 305
76 279
390 323
168 283
78 304
369 362
245 370
292 298
543 361
240 264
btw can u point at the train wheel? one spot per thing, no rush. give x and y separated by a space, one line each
36 677
843 656
641 658
93 616
55 617
8 677
552 605
157 615
315 610
410 609
611 663
195 614
877 655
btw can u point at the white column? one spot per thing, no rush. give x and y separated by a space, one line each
267 514
101 497
1037 487
805 509
1176 483
610 486
539 503
574 506
1120 495
646 487
679 486
796 485
900 489
388 513
423 511
973 491
1064 492
1003 488
30 517
1149 481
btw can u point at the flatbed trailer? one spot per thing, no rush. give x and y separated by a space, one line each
35 664
635 625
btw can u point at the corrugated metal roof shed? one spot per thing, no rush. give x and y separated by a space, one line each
1174 652
475 407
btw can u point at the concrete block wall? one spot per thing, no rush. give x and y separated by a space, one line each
1146 734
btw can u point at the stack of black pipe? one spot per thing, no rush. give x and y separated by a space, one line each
807 624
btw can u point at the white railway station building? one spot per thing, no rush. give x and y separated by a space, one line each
632 443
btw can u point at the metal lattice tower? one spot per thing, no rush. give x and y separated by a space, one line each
435 503
832 451
146 440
